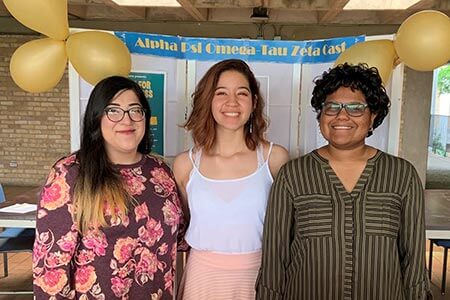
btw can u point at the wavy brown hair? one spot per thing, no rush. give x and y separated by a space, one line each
201 121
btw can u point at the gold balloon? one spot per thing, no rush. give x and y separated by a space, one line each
48 17
39 65
423 40
377 53
96 55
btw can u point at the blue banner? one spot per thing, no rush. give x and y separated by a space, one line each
303 52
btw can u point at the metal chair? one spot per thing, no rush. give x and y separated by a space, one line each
446 245
14 239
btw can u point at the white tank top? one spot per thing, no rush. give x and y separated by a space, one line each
227 215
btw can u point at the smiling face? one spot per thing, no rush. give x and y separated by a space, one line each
343 131
232 103
122 138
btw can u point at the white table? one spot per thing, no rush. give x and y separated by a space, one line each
437 214
27 220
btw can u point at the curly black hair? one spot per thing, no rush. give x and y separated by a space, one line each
357 77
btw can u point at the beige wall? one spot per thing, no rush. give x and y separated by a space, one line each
34 128
415 120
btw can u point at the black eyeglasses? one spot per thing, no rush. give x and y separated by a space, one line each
354 109
116 114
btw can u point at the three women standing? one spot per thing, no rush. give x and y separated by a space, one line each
345 221
225 182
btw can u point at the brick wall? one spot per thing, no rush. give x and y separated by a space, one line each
34 127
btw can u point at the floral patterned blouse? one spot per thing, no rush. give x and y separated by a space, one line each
133 258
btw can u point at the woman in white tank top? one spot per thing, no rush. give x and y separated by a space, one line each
224 182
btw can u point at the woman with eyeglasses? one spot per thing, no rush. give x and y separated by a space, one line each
109 214
345 221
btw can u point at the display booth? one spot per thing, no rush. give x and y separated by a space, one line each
168 68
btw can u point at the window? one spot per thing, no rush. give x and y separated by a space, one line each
438 167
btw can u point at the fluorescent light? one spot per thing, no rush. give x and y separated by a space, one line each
149 3
379 4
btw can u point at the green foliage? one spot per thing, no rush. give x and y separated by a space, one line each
436 145
444 80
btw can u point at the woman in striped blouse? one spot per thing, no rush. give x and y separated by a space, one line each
345 221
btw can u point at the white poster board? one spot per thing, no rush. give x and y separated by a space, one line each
287 88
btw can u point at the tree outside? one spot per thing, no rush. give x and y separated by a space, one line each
438 170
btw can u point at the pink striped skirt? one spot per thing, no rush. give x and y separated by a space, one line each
217 276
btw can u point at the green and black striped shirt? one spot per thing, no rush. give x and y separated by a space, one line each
321 242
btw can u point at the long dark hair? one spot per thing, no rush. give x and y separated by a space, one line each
98 182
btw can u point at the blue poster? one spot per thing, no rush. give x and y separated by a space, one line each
153 85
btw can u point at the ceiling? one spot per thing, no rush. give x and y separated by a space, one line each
290 12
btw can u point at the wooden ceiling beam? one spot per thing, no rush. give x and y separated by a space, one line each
423 4
391 16
3 10
399 15
78 11
136 12
442 5
334 9
197 14
271 4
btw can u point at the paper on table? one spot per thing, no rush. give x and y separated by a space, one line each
20 208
